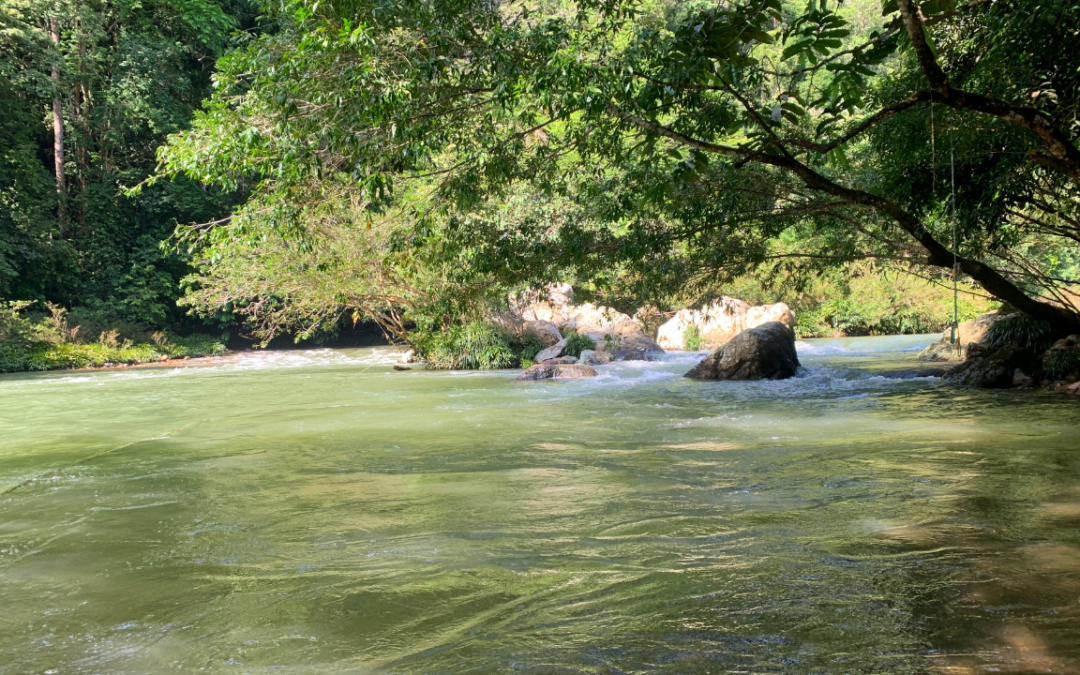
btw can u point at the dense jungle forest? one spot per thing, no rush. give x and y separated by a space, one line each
293 167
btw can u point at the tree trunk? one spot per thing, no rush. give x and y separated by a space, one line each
58 132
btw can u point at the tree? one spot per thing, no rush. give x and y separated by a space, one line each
92 87
720 129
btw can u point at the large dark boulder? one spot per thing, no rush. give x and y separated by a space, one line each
766 352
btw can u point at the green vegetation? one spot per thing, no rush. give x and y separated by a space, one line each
49 341
577 343
1019 330
1061 364
474 346
692 340
411 163
863 299
89 89
635 147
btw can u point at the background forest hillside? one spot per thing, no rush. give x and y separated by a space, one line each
119 76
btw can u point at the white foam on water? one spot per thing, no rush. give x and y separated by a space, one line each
236 362
865 345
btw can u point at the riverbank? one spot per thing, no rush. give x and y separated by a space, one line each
43 355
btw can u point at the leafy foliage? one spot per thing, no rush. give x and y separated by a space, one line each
474 346
642 146
125 74
530 347
48 342
1061 364
692 340
577 343
1018 330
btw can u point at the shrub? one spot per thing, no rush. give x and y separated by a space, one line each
692 340
1061 364
194 345
530 347
475 346
577 343
1018 330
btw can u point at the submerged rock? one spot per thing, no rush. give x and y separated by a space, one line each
557 371
766 352
720 321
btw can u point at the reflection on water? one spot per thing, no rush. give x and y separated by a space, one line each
318 512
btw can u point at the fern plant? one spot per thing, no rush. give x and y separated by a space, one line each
1018 330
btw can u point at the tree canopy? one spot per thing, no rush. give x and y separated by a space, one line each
664 144
89 90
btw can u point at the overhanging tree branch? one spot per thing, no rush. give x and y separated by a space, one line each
938 255
1063 155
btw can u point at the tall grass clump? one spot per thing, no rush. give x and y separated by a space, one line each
1019 330
577 343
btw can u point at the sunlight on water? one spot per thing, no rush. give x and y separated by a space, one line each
318 512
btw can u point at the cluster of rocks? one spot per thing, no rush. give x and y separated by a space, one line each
980 364
758 342
720 321
552 317
1010 366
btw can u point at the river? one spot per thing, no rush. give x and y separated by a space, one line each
318 512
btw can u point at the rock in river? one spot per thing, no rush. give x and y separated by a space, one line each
999 368
546 332
766 352
557 371
551 352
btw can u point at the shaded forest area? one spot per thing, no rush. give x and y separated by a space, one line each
89 90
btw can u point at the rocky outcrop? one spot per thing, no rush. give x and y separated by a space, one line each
557 371
595 357
1000 368
556 306
720 321
613 331
625 342
765 352
1006 366
968 333
544 332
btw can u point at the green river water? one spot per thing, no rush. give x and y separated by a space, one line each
318 512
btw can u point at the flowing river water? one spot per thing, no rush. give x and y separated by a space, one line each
318 512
